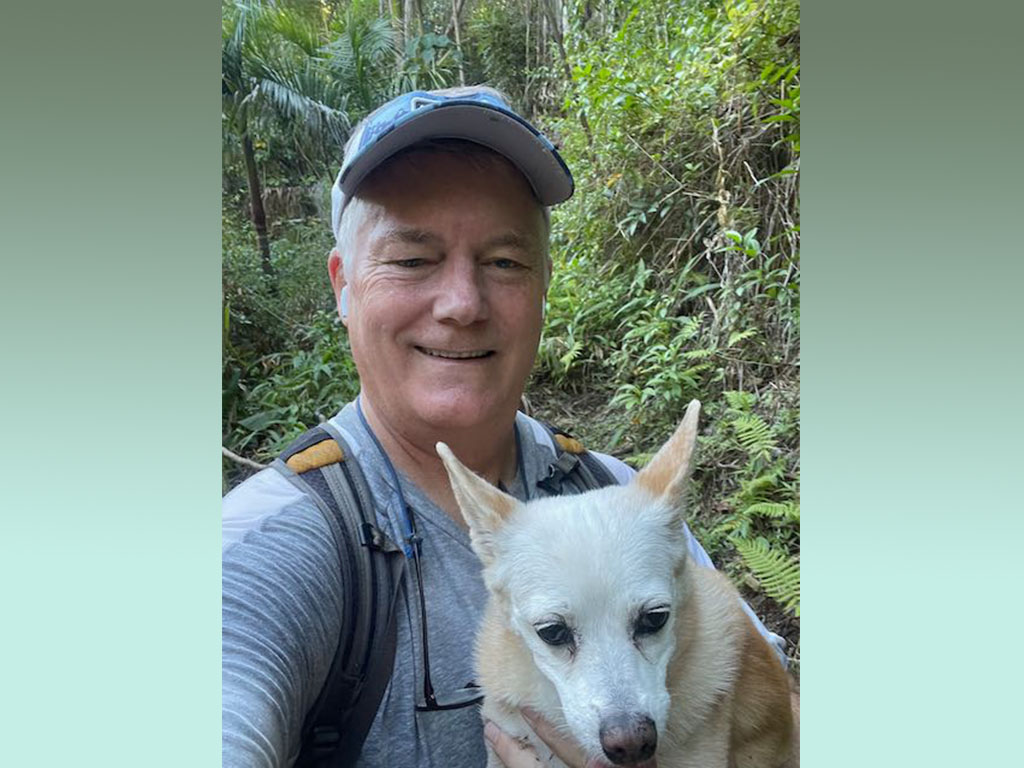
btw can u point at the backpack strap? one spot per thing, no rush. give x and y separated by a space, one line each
321 464
575 469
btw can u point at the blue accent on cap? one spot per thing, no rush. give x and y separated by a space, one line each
422 115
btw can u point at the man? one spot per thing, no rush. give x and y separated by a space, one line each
440 272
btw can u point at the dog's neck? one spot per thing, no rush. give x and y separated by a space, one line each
708 648
413 453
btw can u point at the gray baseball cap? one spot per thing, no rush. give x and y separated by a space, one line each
478 114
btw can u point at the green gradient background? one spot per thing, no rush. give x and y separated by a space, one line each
110 310
911 388
109 305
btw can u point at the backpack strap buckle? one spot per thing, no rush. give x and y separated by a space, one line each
374 538
565 464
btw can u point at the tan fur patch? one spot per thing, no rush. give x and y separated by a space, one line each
503 505
316 456
763 729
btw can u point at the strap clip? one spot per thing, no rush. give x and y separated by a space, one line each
565 464
373 537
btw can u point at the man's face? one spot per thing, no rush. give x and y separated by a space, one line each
446 291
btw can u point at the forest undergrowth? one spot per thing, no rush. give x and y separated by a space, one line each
677 264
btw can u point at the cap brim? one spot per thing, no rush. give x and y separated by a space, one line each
541 165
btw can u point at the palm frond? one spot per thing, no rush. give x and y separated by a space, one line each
378 40
295 28
305 96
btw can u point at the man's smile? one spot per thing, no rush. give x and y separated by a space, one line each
450 354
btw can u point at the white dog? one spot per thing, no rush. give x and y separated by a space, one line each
598 621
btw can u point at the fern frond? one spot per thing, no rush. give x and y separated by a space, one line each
737 336
777 572
754 436
740 401
756 488
571 354
698 354
788 510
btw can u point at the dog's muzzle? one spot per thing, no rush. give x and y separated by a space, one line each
628 738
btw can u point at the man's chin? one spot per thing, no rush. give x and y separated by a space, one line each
463 412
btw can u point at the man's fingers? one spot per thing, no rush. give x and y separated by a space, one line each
567 750
514 753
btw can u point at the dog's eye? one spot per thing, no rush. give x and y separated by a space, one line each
650 622
555 634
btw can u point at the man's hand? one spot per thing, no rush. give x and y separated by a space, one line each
516 754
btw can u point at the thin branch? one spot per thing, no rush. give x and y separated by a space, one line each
241 459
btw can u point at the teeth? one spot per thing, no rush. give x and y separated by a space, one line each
454 355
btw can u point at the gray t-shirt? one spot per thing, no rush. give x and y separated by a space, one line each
282 604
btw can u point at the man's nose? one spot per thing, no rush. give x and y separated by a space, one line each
460 298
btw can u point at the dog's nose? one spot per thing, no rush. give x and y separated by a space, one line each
628 739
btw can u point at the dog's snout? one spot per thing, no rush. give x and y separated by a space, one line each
628 738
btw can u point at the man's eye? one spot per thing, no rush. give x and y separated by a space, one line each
555 634
650 622
507 264
409 262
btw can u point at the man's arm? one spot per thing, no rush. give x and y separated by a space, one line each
281 614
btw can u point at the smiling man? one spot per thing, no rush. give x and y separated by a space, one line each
440 273
443 270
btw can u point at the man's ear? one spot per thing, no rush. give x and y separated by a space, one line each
483 506
666 474
336 270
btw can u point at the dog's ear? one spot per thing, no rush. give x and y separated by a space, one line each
667 472
483 506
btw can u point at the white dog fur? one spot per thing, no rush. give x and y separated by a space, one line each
590 567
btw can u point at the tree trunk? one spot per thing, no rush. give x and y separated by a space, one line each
459 5
526 67
543 35
556 28
398 26
408 16
458 40
259 218
420 16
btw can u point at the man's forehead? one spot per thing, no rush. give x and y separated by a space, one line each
398 200
441 157
382 233
399 195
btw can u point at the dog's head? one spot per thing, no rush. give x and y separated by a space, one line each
591 583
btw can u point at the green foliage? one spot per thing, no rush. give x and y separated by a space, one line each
761 518
361 57
498 50
430 62
676 263
274 82
777 572
286 363
286 393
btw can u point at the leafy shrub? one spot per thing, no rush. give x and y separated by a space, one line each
761 517
677 261
286 362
